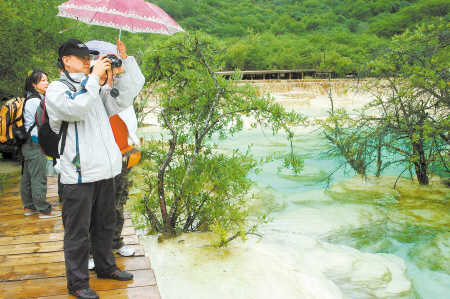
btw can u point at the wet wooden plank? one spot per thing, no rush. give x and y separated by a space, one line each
17 209
35 225
9 198
30 259
33 271
21 219
44 226
128 230
147 292
31 248
11 260
18 201
35 247
48 270
58 285
24 239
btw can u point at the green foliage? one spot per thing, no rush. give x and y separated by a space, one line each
412 100
407 18
192 186
31 34
269 34
277 36
29 38
348 138
381 17
213 188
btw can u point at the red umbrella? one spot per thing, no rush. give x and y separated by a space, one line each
129 15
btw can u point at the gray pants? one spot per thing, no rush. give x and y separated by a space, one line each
88 209
33 184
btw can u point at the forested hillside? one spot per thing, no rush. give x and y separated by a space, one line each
261 34
287 34
301 17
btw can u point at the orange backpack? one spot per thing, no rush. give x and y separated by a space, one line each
12 126
131 155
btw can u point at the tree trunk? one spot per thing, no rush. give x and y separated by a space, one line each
167 221
421 173
421 165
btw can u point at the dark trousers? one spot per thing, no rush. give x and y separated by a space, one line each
88 208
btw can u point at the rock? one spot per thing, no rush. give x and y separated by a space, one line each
358 275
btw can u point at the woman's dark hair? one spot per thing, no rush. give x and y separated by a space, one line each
33 78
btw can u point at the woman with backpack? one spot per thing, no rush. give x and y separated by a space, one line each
33 184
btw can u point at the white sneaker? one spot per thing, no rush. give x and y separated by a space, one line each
125 251
91 264
52 214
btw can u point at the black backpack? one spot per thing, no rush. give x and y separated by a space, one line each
48 140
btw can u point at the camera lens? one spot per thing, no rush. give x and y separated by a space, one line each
115 62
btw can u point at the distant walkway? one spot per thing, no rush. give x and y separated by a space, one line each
281 74
32 257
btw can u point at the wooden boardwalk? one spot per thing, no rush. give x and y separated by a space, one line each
32 257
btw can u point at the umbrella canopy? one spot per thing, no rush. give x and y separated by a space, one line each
130 15
101 46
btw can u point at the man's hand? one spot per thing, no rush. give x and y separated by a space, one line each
101 66
122 49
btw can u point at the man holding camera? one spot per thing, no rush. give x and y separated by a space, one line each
90 160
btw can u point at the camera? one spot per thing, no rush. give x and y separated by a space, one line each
115 62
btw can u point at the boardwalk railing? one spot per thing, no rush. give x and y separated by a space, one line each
280 74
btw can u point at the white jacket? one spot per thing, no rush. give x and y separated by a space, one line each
29 114
89 132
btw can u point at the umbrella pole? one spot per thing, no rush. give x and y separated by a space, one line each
120 33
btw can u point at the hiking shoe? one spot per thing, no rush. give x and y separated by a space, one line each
85 293
91 264
52 214
117 275
125 251
29 212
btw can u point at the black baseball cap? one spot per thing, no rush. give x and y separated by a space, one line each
74 47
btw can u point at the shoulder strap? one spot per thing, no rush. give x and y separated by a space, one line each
42 104
71 87
31 128
63 133
23 111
